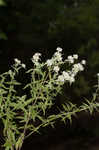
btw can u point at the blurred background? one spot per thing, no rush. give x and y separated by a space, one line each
43 25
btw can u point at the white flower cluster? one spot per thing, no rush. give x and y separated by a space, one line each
76 68
18 62
70 75
57 57
56 69
71 58
49 62
36 58
66 76
54 65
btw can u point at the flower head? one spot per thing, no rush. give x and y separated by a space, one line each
17 61
49 62
72 79
58 56
65 75
23 65
59 49
83 62
36 57
76 68
75 56
70 59
56 69
61 78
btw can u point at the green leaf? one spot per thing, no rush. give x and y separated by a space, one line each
30 70
27 102
19 141
41 118
13 82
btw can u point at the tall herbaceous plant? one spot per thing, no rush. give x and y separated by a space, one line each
19 114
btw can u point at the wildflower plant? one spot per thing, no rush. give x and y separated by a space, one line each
19 114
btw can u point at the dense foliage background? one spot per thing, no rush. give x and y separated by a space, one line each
30 26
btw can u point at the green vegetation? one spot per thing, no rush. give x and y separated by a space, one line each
26 26
22 115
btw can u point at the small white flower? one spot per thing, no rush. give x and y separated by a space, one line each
56 69
23 65
81 68
73 75
75 68
49 62
59 49
17 61
70 59
61 78
75 56
83 62
58 56
36 57
65 75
